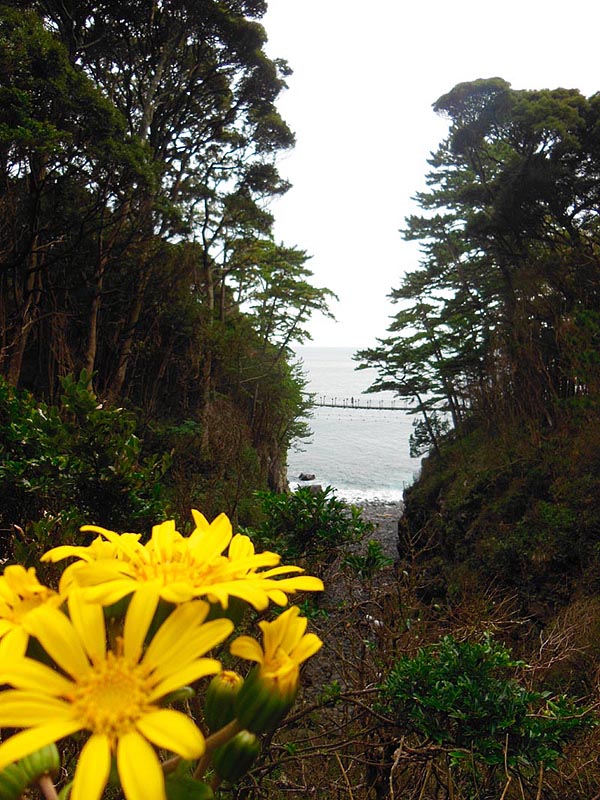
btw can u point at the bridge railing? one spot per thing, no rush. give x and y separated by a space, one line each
359 403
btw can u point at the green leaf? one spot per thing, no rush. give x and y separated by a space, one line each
184 787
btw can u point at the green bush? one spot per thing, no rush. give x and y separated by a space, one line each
62 466
309 524
466 697
373 560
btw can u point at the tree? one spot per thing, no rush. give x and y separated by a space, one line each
61 143
509 239
143 250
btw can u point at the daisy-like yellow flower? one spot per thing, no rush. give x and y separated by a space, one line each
115 695
178 569
20 594
270 689
286 645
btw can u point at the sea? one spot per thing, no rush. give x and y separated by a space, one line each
362 449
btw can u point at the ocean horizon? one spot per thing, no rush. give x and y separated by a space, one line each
362 453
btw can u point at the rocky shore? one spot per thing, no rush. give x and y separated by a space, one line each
385 517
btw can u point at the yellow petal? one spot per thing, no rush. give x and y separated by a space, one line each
248 648
88 621
15 642
246 590
162 539
110 535
255 562
137 621
22 581
103 571
111 591
173 632
302 583
26 673
32 739
188 652
139 769
307 647
180 592
240 547
274 632
25 709
172 731
59 639
277 597
93 769
126 543
293 633
6 593
283 570
201 522
216 595
185 676
209 541
64 551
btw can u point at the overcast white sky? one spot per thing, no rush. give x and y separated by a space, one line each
365 77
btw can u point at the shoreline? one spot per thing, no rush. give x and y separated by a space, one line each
385 516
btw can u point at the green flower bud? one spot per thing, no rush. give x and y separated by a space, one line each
178 695
262 702
45 761
219 704
234 759
13 782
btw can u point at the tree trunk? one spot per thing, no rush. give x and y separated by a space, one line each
207 361
26 319
116 383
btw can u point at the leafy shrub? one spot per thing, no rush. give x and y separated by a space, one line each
308 523
465 696
374 559
64 465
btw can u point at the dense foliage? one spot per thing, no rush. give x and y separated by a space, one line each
496 342
62 465
137 162
146 318
467 697
500 320
311 523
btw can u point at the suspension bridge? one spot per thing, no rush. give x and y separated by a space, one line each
359 403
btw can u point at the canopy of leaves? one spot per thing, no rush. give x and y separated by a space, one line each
138 148
510 263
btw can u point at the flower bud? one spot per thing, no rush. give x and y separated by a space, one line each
235 757
178 695
219 704
13 782
263 702
45 761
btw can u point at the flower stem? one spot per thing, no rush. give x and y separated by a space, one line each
216 740
47 787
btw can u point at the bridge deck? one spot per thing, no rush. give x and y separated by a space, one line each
363 405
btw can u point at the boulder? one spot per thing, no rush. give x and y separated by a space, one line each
306 476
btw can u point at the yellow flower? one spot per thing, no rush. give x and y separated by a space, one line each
20 594
285 647
177 568
114 694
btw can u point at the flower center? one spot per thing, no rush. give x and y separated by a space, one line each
181 569
112 697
